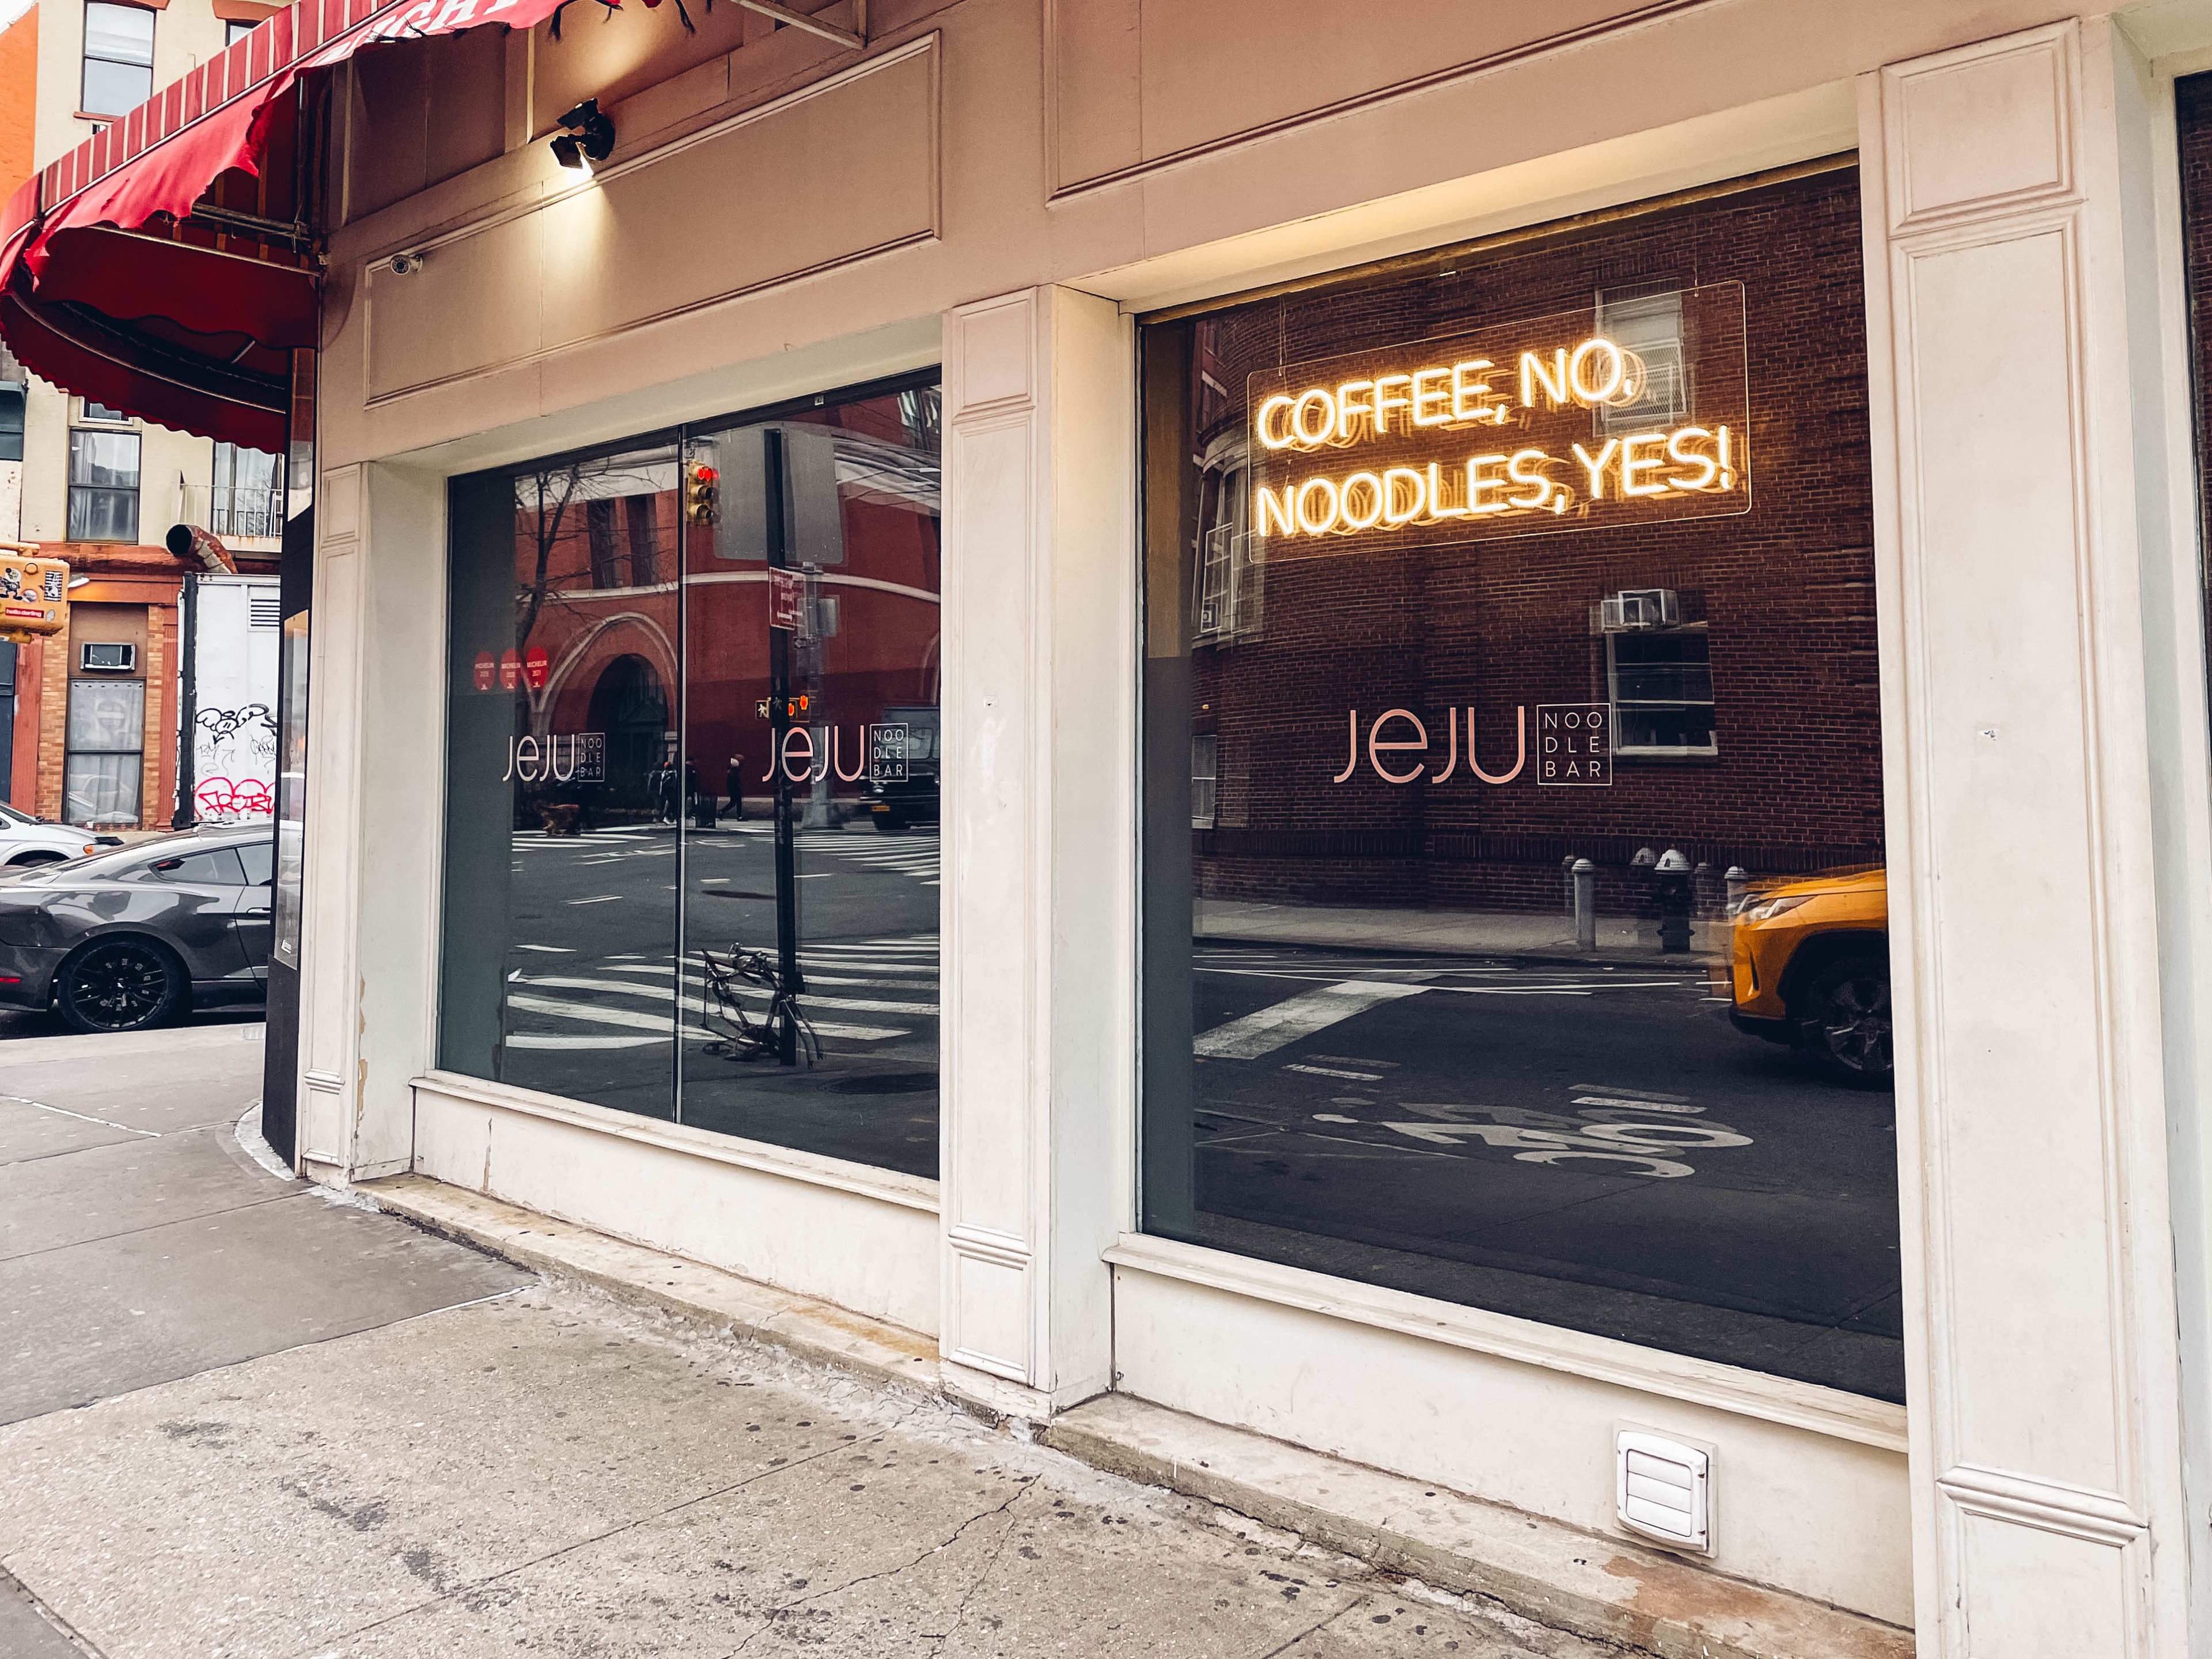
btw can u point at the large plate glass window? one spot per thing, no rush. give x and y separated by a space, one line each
691 848
2192 100
1515 929
811 729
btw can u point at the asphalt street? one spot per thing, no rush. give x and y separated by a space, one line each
1587 1144
592 986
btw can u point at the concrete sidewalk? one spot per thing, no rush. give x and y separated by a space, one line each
242 1419
1547 935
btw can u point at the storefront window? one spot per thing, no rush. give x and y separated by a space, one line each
291 789
1515 920
2192 98
692 854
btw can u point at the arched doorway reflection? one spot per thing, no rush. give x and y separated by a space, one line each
629 703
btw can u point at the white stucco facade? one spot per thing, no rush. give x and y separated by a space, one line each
1003 188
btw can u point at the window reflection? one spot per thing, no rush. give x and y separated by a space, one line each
813 584
663 894
561 854
1516 919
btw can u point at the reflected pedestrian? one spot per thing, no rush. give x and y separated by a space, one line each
734 785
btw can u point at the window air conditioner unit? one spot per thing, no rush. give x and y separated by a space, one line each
108 659
1637 608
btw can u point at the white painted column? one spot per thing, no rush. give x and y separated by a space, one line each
1039 830
329 886
2001 201
375 793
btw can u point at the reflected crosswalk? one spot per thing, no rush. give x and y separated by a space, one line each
914 853
867 991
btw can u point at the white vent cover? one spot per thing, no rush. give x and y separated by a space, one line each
1663 1489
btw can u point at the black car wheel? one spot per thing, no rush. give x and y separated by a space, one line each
889 824
1844 1015
28 860
119 985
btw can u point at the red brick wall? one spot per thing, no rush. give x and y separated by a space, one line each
1786 589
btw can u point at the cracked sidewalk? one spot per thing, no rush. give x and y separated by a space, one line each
242 1423
551 1472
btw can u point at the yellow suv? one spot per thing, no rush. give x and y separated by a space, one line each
1811 968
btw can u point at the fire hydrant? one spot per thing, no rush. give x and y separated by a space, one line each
1673 878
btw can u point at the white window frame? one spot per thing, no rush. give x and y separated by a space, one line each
1205 746
1637 305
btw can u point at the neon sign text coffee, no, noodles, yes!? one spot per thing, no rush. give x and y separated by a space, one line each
1581 420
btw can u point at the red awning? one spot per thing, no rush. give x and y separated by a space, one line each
166 267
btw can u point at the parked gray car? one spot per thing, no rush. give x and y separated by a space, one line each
131 938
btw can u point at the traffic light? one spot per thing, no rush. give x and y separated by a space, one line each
797 708
33 593
702 492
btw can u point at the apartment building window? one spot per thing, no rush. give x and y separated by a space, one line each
1662 684
118 57
103 498
1658 672
1205 773
1229 580
248 497
233 32
1646 320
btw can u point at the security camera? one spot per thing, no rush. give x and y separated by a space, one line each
406 265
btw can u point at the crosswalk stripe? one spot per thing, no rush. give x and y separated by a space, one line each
1285 1023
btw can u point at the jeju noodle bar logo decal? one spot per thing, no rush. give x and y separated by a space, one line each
1619 415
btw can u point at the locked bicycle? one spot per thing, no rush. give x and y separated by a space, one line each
736 979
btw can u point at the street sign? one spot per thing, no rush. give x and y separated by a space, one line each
786 595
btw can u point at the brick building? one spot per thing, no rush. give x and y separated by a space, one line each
96 486
598 619
1783 773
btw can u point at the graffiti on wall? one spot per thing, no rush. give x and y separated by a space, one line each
235 759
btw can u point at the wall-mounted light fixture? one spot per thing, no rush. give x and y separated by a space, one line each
586 136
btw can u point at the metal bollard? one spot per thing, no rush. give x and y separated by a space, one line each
1567 882
1736 878
1585 875
1672 871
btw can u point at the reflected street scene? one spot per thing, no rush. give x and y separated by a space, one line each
693 783
1516 899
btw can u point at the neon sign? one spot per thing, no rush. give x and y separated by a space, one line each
1554 423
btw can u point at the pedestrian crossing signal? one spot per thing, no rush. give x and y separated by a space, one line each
33 593
702 494
794 708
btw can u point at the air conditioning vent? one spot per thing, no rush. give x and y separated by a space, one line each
107 658
264 610
1664 1490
